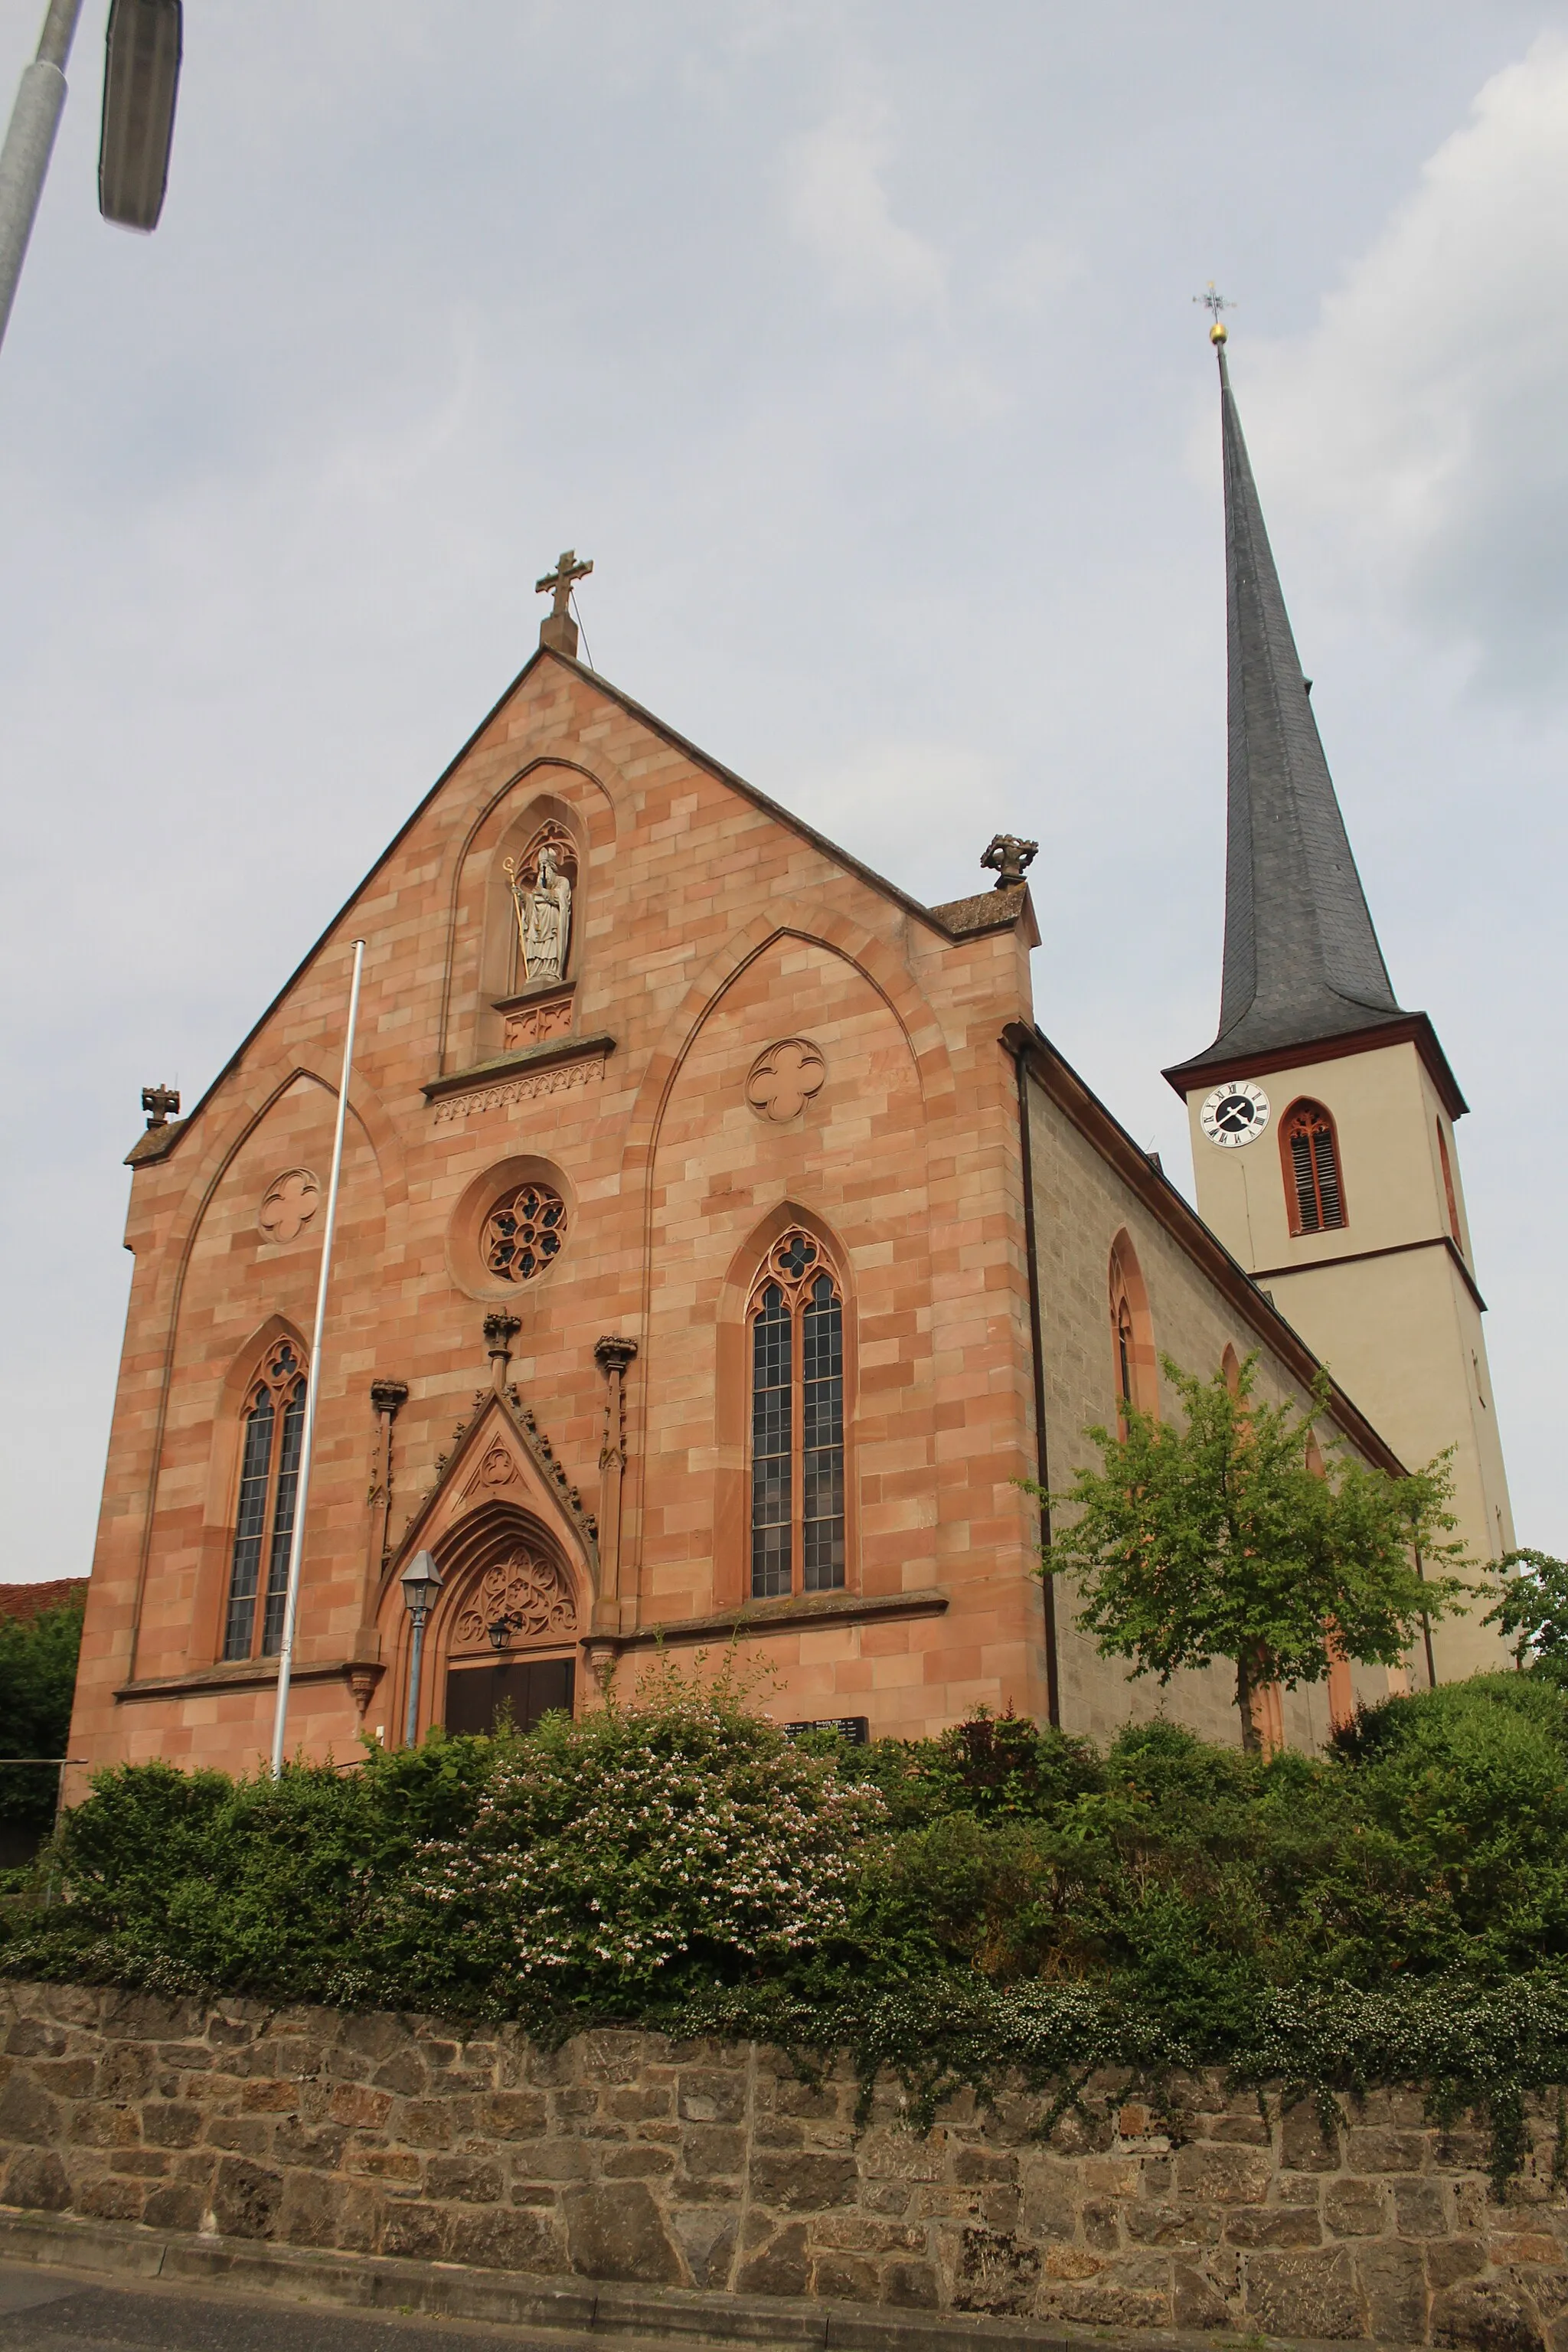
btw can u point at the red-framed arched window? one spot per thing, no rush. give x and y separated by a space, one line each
1314 1187
1131 1328
272 1434
1448 1192
796 1320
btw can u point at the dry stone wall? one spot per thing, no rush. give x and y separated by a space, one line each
706 2165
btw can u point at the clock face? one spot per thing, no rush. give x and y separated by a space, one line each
1235 1114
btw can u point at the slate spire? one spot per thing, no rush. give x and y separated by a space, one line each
1302 959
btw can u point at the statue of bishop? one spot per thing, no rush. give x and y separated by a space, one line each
544 920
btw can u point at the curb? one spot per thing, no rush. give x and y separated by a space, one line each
566 2306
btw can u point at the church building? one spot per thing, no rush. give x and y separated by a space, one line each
720 1245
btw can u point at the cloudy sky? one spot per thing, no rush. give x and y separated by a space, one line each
854 339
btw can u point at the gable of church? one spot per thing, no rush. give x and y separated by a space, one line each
625 1028
714 1138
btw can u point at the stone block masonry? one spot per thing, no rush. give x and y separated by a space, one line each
713 2167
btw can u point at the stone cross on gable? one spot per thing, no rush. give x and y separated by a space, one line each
558 630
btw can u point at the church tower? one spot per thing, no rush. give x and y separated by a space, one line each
1322 1115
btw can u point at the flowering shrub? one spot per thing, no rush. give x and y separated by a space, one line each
679 1827
1001 1897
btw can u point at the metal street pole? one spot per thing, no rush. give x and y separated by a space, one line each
421 1581
29 143
416 1664
313 1384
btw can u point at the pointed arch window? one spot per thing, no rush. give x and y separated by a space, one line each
1125 1344
796 1323
1448 1193
1131 1328
1314 1189
273 1434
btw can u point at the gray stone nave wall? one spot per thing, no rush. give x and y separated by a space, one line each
626 2157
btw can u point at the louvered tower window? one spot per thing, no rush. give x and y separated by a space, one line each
1312 1181
274 1430
798 1423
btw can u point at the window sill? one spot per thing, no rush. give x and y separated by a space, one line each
508 1065
799 1610
241 1674
538 991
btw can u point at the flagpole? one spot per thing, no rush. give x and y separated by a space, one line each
313 1384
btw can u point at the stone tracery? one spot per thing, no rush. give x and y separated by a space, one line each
525 1231
529 1589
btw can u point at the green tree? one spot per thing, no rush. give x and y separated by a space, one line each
38 1678
1534 1606
1219 1539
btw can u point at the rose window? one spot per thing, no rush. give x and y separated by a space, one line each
524 1232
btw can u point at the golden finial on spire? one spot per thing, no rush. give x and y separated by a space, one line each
1213 304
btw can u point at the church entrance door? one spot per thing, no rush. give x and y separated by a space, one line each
529 1687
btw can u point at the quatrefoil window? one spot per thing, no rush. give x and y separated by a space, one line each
782 1081
524 1232
291 1201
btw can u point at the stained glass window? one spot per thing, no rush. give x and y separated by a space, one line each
773 1396
525 1231
797 1424
249 1520
822 1438
264 1510
283 1521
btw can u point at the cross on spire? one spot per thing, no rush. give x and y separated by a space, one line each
558 630
1215 304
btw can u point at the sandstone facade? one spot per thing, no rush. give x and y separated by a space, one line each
708 2166
600 1480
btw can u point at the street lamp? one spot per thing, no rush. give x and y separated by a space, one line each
141 74
141 77
421 1581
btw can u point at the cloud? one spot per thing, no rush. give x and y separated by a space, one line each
1027 281
837 205
1418 428
892 804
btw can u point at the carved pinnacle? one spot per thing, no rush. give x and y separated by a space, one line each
1007 856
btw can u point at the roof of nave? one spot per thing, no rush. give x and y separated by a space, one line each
963 919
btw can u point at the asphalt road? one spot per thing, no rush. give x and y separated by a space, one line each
52 2311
